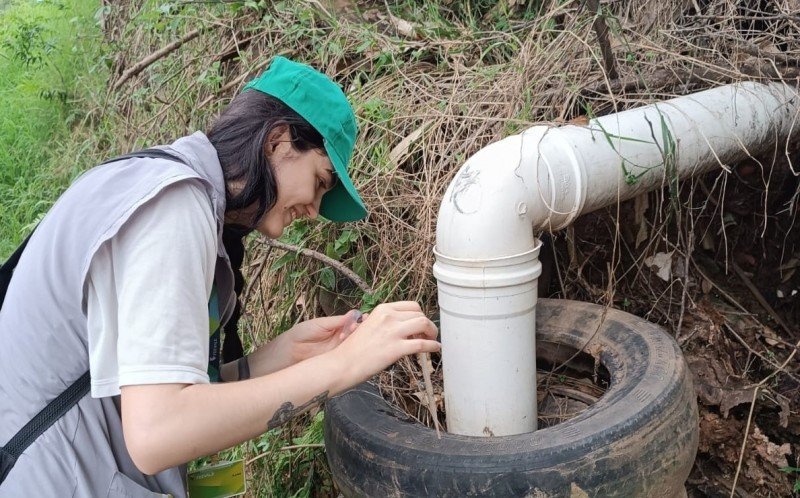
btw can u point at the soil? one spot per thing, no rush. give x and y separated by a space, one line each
744 252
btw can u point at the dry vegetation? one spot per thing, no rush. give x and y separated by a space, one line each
433 82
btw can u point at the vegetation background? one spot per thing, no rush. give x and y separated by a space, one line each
433 81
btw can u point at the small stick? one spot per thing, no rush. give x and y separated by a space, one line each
424 360
760 298
158 54
722 292
601 29
285 448
253 278
783 365
744 442
749 348
300 446
324 259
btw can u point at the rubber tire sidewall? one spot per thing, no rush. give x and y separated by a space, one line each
639 439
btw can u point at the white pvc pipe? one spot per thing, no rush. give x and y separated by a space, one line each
542 179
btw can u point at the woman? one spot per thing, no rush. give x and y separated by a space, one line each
129 275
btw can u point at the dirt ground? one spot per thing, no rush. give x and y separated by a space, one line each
738 322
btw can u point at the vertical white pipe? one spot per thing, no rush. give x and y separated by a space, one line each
488 306
543 179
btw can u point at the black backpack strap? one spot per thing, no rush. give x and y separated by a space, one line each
152 153
55 409
7 270
41 422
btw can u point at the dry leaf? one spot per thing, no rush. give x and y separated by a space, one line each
770 451
783 402
770 337
403 27
400 151
575 491
661 263
733 398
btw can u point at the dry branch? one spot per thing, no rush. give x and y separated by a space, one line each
424 360
763 302
669 78
158 54
601 29
337 265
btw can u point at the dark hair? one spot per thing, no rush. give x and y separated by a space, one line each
239 135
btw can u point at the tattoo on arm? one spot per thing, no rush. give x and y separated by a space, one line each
288 411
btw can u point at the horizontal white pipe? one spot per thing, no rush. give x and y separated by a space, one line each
542 179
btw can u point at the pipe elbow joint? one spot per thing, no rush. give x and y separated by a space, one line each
485 210
510 189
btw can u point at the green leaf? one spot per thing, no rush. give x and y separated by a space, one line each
327 278
286 258
360 266
370 301
330 251
342 244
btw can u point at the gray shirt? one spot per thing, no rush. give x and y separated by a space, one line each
43 328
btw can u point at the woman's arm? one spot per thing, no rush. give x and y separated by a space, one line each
303 341
169 424
268 358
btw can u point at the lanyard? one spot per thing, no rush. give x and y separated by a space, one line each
214 331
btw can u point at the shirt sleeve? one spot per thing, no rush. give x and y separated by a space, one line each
147 294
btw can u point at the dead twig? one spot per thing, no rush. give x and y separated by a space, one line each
424 360
347 272
302 446
756 353
232 84
760 298
601 29
666 78
744 442
781 367
158 54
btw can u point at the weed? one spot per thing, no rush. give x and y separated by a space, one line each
795 472
46 73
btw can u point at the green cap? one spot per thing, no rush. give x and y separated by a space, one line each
322 103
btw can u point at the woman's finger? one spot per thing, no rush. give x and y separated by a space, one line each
331 322
400 316
418 325
415 346
401 306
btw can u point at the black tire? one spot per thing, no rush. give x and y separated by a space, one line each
639 439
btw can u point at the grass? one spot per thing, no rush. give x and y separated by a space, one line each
47 69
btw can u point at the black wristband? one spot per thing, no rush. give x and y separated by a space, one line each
244 368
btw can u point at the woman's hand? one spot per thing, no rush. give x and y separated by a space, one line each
319 335
303 341
391 331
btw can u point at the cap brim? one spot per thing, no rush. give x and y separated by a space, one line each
342 203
